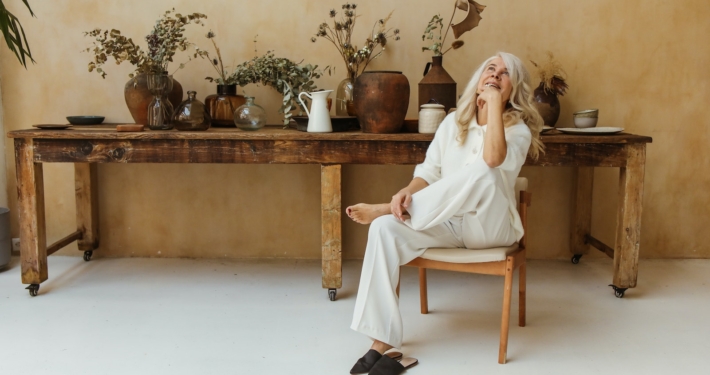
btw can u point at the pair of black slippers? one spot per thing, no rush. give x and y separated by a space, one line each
375 363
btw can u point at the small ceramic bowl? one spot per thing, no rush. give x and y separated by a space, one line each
586 118
85 120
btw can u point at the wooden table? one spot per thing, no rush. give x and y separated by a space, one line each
88 146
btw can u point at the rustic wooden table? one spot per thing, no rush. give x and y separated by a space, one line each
88 146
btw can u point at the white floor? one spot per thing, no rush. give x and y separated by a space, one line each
178 316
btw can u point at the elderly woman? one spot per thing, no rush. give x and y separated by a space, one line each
461 196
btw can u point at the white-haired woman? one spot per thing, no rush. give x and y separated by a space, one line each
461 196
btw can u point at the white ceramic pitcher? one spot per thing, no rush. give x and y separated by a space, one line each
318 116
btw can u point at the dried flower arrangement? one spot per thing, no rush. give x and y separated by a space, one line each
437 23
166 38
224 78
552 76
287 77
356 59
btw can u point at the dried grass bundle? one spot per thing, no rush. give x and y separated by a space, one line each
551 74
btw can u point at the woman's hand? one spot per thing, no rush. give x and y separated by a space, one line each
489 95
399 204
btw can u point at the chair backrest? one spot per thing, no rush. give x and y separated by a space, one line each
523 197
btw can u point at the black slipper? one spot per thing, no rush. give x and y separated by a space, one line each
389 366
364 364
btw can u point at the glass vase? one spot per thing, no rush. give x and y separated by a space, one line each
160 110
191 114
221 106
344 97
250 116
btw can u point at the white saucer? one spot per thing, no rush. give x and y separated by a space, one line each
594 131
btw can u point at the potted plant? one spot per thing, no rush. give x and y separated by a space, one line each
221 106
356 59
552 84
287 77
166 38
437 84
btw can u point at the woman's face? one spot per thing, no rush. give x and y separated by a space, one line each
495 75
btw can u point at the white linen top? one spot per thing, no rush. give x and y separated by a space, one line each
445 156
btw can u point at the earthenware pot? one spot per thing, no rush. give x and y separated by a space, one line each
547 104
381 100
138 97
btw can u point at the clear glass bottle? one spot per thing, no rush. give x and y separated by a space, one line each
160 110
250 116
344 97
191 114
221 106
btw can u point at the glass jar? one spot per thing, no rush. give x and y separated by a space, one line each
191 114
344 97
221 106
160 110
250 116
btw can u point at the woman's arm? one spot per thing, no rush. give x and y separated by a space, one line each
403 198
494 145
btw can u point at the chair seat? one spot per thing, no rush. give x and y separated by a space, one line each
460 255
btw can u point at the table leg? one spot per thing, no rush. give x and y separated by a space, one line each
330 228
87 211
628 230
582 221
30 201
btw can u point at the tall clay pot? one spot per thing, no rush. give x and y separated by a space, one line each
547 104
138 97
438 85
381 100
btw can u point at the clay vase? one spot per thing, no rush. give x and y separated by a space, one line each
437 85
547 104
381 100
138 97
221 106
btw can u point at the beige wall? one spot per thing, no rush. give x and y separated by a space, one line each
642 63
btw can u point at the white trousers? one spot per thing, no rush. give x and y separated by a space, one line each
467 209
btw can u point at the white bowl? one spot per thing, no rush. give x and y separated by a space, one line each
585 122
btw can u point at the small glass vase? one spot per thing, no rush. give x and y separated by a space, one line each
160 110
250 116
221 106
344 97
191 114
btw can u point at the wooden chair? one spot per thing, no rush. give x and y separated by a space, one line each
500 261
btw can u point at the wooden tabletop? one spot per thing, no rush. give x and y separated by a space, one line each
108 131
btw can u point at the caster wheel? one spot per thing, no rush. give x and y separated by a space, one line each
576 258
331 294
33 288
618 292
87 255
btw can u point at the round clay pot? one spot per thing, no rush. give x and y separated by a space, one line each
547 104
138 97
381 100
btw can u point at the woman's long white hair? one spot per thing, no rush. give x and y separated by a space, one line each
519 107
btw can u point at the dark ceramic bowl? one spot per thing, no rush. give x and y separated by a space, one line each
340 123
85 120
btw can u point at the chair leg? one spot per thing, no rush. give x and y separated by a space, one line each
521 296
507 292
423 300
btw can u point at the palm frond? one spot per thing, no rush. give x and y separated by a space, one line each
14 34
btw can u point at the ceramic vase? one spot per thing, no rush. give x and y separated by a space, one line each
547 104
138 97
381 100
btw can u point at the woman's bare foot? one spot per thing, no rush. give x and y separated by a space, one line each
364 213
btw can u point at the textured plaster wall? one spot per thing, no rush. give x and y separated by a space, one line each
642 63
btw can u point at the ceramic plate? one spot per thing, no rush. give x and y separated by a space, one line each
85 120
546 129
52 126
592 131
